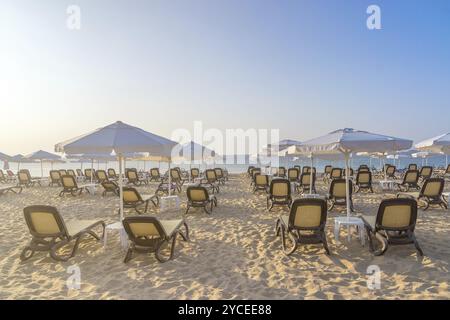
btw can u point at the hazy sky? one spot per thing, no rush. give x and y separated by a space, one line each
305 67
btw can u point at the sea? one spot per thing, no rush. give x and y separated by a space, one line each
235 165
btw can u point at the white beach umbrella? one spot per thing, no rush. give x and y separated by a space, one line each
439 144
119 139
43 156
347 141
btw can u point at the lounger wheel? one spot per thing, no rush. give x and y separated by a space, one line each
26 254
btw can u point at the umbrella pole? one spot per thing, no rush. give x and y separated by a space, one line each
120 187
92 170
446 161
42 170
347 184
311 175
170 181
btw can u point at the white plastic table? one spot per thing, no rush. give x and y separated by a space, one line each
387 184
446 195
91 187
169 202
116 227
349 222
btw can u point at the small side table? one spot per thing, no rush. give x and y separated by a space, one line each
169 202
349 222
116 227
446 196
387 184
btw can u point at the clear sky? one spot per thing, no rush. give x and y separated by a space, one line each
305 67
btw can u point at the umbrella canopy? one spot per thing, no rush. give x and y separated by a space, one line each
347 141
4 157
43 156
436 144
351 141
118 138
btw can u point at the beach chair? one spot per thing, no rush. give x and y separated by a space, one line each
261 182
249 171
293 174
299 168
390 172
305 224
327 173
336 173
410 180
2 177
255 171
363 167
151 235
211 180
195 173
55 178
133 177
132 199
62 172
281 172
198 197
425 173
412 166
155 175
304 184
338 195
279 193
80 175
72 173
70 185
112 175
10 188
220 176
25 180
50 233
89 175
363 181
110 186
101 176
394 224
430 193
175 175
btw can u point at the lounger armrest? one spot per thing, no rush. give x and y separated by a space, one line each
75 228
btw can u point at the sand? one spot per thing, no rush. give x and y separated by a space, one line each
233 254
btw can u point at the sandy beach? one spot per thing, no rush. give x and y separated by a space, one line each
233 254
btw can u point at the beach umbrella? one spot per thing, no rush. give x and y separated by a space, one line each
193 153
347 141
43 156
118 139
439 144
5 158
424 155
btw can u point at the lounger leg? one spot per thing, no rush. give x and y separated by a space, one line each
324 242
416 244
128 255
185 236
187 209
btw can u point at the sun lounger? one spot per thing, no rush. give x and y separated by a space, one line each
279 193
149 234
363 181
394 224
338 194
133 199
9 188
410 180
305 224
199 197
430 194
50 233
261 183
